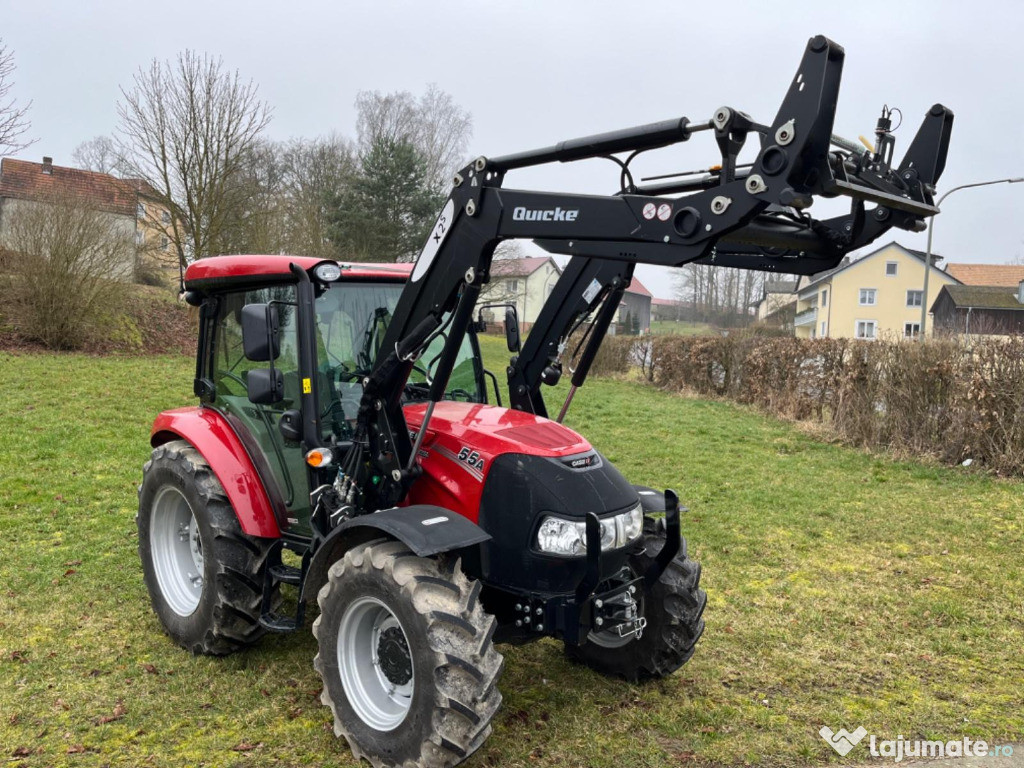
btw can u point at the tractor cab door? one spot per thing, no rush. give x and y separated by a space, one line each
280 461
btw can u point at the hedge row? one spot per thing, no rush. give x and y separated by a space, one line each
939 398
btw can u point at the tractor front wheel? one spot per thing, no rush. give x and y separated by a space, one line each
673 608
204 575
405 652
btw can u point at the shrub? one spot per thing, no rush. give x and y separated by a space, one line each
69 271
938 398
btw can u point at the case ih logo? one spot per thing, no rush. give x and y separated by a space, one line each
544 214
581 461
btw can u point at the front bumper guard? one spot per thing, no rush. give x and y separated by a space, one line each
574 617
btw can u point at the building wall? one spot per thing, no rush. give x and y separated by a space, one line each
528 294
10 208
636 306
976 321
152 239
838 314
772 302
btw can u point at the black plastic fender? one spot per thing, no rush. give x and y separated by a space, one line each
651 501
427 530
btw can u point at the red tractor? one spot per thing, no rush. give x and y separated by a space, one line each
344 416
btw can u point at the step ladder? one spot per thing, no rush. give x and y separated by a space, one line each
278 574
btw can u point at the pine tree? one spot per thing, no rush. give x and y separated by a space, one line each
387 212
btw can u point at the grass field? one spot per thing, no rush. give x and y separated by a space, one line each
844 590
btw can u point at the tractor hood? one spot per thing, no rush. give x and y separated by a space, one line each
493 430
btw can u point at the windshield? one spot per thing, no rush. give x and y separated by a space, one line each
352 319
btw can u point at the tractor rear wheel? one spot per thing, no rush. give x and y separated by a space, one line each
405 652
204 575
673 609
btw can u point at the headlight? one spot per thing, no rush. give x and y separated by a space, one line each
328 272
559 536
632 523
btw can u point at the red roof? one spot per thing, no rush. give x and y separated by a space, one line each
519 267
668 303
229 267
1006 275
26 180
638 288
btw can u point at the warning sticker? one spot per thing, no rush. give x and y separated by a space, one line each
307 386
664 211
649 211
592 290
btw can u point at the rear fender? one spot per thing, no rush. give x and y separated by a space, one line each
210 434
426 529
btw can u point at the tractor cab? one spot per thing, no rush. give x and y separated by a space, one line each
351 310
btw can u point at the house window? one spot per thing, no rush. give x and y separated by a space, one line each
165 242
140 211
165 217
866 329
914 298
867 297
512 285
891 268
823 329
911 330
824 298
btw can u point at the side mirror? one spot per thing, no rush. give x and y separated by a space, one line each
512 329
261 333
265 386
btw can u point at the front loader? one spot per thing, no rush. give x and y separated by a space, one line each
344 420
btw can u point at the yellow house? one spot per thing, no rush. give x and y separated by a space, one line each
878 295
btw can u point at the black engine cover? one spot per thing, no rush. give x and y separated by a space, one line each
520 490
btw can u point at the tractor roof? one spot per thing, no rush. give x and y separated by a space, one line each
225 270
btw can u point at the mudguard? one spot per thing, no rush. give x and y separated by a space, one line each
426 529
651 500
210 434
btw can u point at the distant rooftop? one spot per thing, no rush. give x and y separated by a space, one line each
638 288
985 297
780 286
1007 275
25 180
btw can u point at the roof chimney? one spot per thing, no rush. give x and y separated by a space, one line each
1020 291
48 165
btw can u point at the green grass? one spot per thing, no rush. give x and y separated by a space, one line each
844 589
679 328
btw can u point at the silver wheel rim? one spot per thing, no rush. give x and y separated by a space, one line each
177 551
379 700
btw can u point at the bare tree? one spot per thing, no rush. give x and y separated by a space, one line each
189 129
68 268
98 154
434 124
316 172
14 122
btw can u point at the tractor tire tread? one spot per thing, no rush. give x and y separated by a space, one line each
466 670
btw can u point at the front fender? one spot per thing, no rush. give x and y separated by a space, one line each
210 434
426 529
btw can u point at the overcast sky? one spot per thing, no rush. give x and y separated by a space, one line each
534 73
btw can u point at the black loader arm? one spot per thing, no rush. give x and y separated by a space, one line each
758 213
